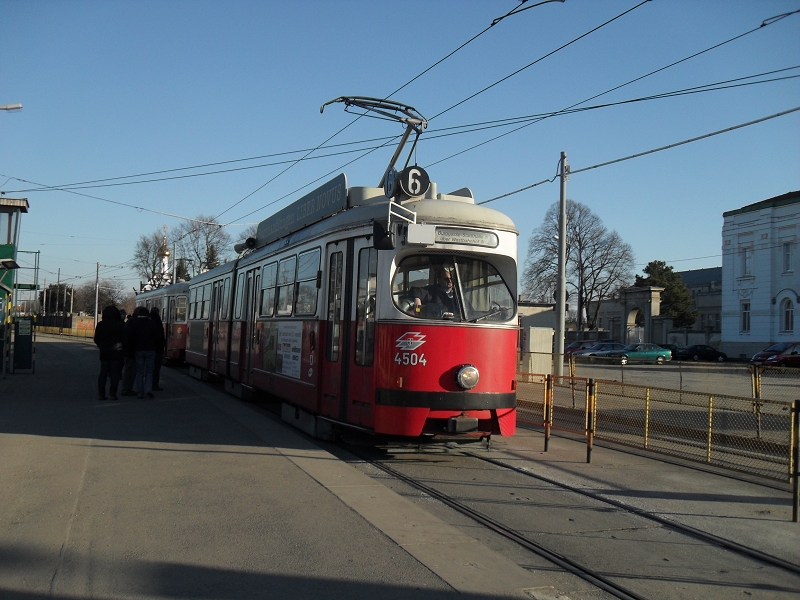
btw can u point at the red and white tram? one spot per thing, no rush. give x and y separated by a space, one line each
342 310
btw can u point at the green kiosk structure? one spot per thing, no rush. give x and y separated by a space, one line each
11 210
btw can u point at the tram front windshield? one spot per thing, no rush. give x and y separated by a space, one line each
454 288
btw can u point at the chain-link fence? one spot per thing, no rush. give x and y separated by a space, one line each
753 435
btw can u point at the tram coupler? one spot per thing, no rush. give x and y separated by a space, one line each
461 424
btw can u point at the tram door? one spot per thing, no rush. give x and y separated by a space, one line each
336 327
251 332
347 385
361 372
218 337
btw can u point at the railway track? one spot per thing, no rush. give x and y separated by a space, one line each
595 571
694 532
517 537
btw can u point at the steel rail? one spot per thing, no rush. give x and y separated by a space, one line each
510 534
697 533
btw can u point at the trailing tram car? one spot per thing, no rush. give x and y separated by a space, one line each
332 311
173 302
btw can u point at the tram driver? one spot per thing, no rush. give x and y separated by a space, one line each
438 297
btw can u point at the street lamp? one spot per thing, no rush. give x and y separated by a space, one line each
11 107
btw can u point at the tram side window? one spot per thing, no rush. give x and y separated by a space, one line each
334 306
180 314
193 304
269 279
206 306
307 269
216 300
226 298
365 306
286 274
180 309
237 305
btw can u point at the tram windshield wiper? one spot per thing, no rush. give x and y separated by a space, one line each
491 314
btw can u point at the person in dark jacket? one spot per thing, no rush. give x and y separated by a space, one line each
129 361
142 337
155 316
109 336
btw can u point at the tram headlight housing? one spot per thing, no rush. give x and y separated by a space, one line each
467 377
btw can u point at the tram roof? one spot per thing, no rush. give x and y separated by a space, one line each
360 207
337 205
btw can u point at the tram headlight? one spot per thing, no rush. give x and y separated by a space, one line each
467 377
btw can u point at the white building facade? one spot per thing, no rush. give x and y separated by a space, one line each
760 275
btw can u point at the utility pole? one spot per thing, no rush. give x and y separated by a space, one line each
96 293
561 290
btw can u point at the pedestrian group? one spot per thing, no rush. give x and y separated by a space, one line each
131 351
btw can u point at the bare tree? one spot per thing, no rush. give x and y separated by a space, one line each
248 232
202 244
110 292
598 261
148 258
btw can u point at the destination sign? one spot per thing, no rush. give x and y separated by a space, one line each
324 201
466 237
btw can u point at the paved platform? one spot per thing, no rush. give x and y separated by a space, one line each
196 494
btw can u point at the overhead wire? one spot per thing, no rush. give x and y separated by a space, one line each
453 130
696 54
645 153
515 9
139 208
538 60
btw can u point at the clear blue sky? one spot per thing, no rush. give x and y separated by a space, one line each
113 89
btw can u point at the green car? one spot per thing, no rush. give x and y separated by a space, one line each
640 353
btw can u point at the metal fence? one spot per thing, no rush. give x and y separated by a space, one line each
729 378
753 435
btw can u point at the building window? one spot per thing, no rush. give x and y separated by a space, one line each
745 317
788 248
787 316
717 324
747 259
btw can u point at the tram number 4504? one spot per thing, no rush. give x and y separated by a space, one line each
410 358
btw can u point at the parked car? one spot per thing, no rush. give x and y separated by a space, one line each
579 345
671 347
598 347
639 353
699 352
784 354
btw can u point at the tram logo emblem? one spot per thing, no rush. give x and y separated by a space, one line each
411 340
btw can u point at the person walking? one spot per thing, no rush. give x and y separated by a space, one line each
143 338
109 336
155 316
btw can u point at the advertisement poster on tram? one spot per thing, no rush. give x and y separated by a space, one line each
290 338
